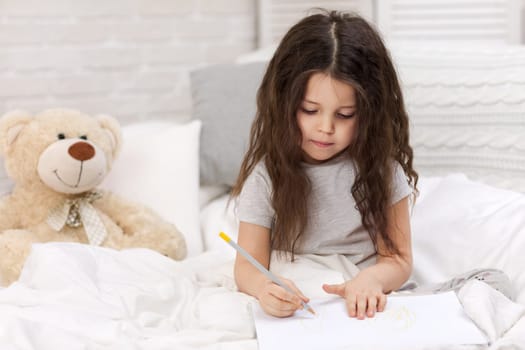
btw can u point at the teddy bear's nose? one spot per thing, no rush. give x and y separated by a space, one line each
81 151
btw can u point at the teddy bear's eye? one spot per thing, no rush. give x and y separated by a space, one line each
61 136
83 137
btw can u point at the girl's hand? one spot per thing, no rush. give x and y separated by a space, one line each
276 301
363 295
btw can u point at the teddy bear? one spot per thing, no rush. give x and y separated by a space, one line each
57 158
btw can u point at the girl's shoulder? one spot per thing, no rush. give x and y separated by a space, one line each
259 174
257 187
260 169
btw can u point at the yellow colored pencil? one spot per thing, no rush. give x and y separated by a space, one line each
261 268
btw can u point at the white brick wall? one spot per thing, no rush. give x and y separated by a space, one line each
523 21
128 58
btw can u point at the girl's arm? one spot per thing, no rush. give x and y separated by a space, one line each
366 293
274 299
394 270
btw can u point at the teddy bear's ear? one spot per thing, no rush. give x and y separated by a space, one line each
11 124
112 127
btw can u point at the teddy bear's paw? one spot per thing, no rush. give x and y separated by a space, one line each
169 241
175 248
9 274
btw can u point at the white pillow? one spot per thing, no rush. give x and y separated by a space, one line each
459 225
159 166
218 216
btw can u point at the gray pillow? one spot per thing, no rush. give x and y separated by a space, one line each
224 99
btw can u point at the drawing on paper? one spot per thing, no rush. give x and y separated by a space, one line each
399 318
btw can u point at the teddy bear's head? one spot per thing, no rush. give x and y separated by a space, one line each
62 149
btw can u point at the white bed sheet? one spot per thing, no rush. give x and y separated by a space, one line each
73 296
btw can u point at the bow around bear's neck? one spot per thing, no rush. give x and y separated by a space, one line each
76 212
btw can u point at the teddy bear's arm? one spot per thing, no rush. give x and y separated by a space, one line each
8 215
131 217
142 227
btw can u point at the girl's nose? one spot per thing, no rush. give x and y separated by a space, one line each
326 124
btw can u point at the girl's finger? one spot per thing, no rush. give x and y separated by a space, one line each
297 291
338 289
381 303
351 305
361 303
372 306
276 311
282 294
277 307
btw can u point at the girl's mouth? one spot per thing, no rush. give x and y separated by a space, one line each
322 144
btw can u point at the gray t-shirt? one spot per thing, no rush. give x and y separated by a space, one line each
334 224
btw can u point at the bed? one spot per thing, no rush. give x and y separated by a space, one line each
467 109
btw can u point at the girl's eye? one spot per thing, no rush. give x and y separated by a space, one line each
83 137
308 111
61 136
345 116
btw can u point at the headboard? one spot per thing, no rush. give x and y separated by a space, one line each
467 109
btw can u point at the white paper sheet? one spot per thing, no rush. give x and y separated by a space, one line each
425 320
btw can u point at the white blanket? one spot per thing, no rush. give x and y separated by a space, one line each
73 296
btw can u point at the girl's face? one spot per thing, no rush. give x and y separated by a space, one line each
327 118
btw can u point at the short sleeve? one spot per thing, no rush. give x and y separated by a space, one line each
254 202
400 186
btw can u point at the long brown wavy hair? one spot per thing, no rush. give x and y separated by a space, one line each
347 48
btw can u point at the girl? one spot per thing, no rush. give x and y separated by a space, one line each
329 165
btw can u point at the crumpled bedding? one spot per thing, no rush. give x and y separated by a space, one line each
73 296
